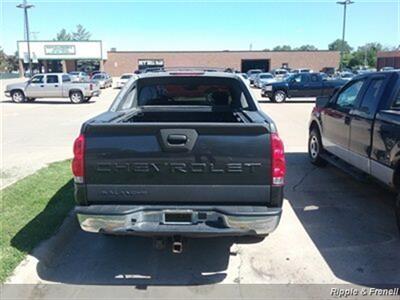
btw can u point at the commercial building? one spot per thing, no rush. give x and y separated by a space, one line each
388 59
61 56
119 62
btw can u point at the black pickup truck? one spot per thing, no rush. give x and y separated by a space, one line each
183 153
300 85
360 125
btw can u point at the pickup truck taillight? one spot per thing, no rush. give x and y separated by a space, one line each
78 163
278 160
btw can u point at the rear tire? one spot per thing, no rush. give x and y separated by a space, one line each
76 97
279 96
18 96
315 148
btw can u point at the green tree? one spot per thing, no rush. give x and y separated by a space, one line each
12 62
282 48
3 60
81 34
337 46
8 63
307 48
63 35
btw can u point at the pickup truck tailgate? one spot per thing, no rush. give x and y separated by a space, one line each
177 163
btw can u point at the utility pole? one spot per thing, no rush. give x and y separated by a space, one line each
26 6
344 3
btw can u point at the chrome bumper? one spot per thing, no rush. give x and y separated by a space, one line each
152 221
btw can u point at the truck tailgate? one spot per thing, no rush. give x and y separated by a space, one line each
177 163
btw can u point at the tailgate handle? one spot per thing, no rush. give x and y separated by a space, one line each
177 139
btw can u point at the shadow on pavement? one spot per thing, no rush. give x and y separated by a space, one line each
351 223
127 260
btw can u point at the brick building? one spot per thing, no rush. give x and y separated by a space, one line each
388 59
119 62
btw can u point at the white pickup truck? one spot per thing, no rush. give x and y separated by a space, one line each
52 85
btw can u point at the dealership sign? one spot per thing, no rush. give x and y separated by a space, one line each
62 49
59 49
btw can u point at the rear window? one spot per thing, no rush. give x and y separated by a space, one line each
370 100
126 76
186 91
266 76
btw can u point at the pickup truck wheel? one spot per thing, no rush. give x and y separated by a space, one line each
315 148
76 97
279 96
18 96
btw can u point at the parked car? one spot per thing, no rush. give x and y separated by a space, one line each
103 79
252 73
52 85
300 85
387 69
124 79
360 127
303 70
263 78
180 154
91 74
78 76
245 77
345 76
330 71
280 74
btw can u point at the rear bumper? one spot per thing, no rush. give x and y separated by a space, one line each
205 221
7 93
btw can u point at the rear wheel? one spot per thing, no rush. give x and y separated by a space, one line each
279 96
18 96
315 148
76 97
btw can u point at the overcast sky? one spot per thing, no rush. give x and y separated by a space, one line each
206 25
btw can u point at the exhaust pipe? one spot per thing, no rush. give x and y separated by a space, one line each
177 246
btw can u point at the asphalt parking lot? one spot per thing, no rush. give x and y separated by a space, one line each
333 229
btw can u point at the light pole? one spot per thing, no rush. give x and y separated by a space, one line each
344 3
27 6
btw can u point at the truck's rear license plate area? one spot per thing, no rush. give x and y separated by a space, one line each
178 217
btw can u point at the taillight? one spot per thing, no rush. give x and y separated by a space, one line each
78 163
278 160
